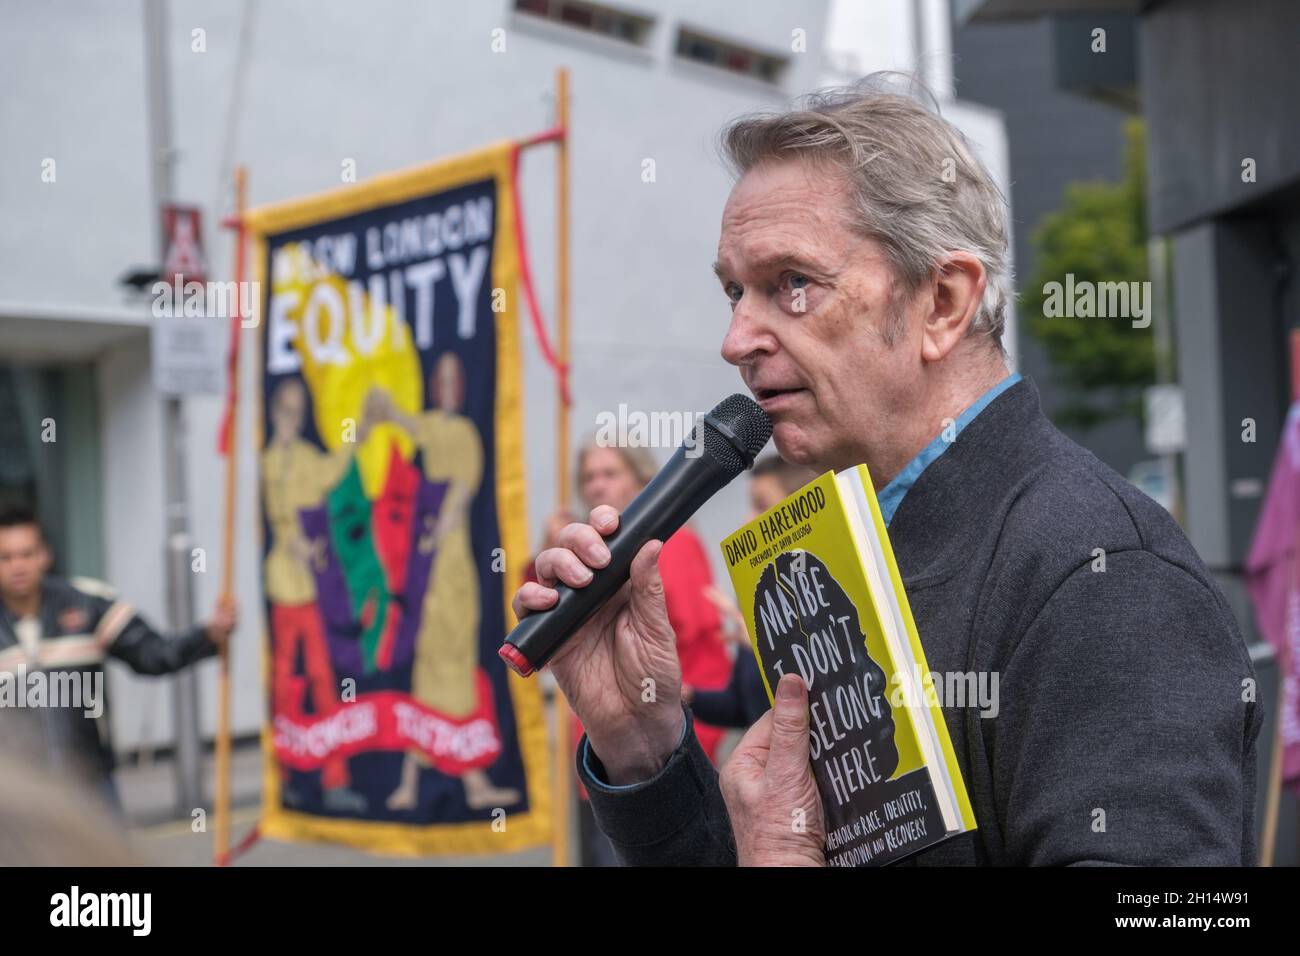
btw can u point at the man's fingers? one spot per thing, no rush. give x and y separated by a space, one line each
604 518
561 564
788 756
532 596
748 760
586 542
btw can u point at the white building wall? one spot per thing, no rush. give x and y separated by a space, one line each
130 422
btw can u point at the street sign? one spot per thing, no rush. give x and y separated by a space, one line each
1166 427
182 234
188 355
188 352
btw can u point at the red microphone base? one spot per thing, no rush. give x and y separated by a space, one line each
517 662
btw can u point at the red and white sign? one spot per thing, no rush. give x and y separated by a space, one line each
183 245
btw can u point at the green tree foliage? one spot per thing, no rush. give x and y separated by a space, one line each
1099 234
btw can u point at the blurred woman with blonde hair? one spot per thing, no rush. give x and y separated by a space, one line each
614 475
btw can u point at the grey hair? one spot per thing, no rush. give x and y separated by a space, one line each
918 188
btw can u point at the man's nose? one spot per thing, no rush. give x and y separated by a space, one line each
746 336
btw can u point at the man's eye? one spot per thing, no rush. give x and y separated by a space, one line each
734 292
797 281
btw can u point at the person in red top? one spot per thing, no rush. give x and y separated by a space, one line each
614 475
706 663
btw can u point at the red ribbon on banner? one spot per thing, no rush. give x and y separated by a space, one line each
392 720
561 369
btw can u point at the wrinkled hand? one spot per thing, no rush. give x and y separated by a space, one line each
223 622
620 671
768 785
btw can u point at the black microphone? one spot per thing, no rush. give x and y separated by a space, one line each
724 445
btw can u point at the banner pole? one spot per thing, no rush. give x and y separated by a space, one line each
222 807
563 763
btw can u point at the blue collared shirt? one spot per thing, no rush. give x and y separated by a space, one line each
891 496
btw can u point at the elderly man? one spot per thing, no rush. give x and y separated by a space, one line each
864 255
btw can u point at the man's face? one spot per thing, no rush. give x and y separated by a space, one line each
24 560
811 301
606 479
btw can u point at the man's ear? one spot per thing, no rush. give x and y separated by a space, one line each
958 288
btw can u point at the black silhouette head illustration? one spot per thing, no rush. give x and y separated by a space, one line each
805 624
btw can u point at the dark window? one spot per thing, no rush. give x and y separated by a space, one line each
729 56
590 17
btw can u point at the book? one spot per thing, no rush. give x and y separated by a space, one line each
821 595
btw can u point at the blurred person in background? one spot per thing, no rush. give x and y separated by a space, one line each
615 475
743 701
56 633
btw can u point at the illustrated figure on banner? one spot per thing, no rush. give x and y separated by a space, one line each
296 475
446 675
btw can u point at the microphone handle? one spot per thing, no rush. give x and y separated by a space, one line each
663 506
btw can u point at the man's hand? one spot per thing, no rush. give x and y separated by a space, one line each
771 796
223 622
620 672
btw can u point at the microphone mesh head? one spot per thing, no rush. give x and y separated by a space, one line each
735 432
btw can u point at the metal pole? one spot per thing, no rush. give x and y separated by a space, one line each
180 580
221 803
563 755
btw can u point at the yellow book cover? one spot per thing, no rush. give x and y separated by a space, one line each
821 595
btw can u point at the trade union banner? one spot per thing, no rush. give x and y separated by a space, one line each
392 515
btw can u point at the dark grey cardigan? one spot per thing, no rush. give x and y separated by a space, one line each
1126 722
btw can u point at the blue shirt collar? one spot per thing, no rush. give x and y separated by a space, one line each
891 496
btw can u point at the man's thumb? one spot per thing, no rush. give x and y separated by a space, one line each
788 756
647 585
